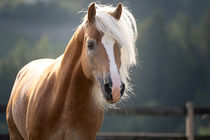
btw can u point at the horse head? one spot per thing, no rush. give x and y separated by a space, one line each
102 51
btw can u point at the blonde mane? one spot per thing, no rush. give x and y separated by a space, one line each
124 31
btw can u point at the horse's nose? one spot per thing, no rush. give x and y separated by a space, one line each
122 89
109 92
108 88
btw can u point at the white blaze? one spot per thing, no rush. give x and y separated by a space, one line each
116 80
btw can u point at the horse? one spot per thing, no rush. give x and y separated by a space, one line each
65 98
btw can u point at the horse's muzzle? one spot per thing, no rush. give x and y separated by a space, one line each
112 93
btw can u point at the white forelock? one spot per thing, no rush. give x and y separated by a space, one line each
124 31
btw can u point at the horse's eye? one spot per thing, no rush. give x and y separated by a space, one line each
91 44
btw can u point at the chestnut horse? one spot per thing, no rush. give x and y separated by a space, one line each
65 98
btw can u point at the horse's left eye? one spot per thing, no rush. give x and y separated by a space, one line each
91 44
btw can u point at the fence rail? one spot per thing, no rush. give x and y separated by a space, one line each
159 111
152 111
146 136
189 111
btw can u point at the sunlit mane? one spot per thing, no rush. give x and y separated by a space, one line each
124 31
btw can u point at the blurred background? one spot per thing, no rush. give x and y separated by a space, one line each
173 46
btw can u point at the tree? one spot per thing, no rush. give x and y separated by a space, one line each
42 48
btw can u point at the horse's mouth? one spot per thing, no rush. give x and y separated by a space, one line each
111 93
110 102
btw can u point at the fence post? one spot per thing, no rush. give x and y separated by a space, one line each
190 121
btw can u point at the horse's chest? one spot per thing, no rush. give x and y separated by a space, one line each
70 134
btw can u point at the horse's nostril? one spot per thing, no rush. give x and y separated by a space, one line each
122 89
107 88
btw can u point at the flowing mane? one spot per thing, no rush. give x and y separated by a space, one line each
124 31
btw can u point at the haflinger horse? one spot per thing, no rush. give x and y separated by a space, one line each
65 98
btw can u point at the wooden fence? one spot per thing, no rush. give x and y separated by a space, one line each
189 111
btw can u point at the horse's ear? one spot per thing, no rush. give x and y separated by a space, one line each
118 11
91 12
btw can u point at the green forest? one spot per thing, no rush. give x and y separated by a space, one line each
173 54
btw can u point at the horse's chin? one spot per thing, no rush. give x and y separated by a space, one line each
110 102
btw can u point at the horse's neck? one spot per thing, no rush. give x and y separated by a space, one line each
74 90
